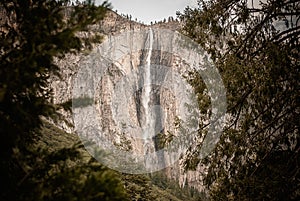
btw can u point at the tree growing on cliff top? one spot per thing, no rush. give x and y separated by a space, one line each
255 46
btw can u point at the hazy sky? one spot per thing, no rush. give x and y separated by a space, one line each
150 10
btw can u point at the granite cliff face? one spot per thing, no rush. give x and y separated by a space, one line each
137 108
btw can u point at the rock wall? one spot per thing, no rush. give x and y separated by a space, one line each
129 80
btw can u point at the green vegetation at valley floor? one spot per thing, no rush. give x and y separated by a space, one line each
77 174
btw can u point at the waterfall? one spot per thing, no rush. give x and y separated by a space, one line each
148 125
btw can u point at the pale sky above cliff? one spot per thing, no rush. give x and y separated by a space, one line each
150 10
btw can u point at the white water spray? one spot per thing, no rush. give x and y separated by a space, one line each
148 126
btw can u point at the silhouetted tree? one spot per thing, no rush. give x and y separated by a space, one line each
32 34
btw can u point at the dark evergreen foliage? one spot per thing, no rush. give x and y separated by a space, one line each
255 46
32 34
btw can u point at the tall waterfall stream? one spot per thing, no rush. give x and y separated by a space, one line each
149 122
